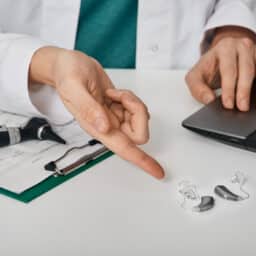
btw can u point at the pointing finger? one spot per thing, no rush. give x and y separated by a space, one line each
246 74
228 71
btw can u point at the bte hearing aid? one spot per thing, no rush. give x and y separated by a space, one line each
225 193
189 192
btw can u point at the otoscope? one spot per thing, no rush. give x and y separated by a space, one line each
35 129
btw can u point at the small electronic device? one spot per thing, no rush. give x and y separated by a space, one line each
228 126
35 129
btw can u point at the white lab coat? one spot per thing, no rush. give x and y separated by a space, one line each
169 34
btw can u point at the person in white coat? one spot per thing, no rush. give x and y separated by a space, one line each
52 53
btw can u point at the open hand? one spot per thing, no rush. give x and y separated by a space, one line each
117 118
231 63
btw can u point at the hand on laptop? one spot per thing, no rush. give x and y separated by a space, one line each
230 63
117 118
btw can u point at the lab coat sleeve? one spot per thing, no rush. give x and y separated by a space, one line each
16 51
229 12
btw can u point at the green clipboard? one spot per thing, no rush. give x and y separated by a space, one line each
51 182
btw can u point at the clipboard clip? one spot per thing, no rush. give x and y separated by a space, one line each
52 166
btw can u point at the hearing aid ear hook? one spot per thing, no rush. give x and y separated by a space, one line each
240 179
189 192
223 192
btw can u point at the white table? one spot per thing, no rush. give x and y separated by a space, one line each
114 209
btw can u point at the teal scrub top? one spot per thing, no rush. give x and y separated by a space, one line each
107 31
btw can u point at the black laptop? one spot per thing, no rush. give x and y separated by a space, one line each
228 126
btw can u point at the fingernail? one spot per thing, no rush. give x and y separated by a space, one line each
207 98
244 105
229 103
100 124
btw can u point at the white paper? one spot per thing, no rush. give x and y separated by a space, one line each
22 165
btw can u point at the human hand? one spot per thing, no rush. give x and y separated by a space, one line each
117 118
231 61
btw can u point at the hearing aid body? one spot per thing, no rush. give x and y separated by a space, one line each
207 203
223 192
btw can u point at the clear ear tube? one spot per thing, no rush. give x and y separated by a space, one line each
240 179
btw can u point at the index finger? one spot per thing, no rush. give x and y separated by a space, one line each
119 143
228 71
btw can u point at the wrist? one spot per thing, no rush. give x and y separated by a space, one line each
232 32
43 65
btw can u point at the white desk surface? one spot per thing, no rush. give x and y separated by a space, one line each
114 209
